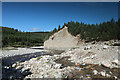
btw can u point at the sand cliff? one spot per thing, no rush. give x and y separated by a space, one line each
62 40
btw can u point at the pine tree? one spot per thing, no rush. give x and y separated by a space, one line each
59 28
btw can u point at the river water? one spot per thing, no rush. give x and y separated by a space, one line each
10 73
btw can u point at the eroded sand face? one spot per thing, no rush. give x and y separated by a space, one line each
61 40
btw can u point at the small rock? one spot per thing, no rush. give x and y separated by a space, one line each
72 61
115 62
83 64
108 75
57 66
11 78
102 73
115 77
110 72
6 67
26 72
78 68
95 72
88 75
105 64
105 47
87 47
14 65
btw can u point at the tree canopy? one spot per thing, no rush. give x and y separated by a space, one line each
101 32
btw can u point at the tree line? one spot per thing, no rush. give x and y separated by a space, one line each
14 37
109 30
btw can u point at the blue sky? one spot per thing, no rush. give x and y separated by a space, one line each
45 16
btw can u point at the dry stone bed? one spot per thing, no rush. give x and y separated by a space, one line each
44 67
89 70
95 55
93 61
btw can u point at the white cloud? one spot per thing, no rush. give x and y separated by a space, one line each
35 29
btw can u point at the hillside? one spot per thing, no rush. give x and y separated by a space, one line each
13 37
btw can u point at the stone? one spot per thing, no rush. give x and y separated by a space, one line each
108 75
102 73
26 72
72 61
57 66
87 47
105 47
88 75
11 78
115 77
111 72
115 62
95 72
6 67
78 68
106 64
14 65
18 67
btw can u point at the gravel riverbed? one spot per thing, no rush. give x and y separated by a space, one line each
87 61
12 51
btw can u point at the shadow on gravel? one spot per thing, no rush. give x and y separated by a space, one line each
37 48
21 58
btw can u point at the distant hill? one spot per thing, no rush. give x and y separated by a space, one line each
14 37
